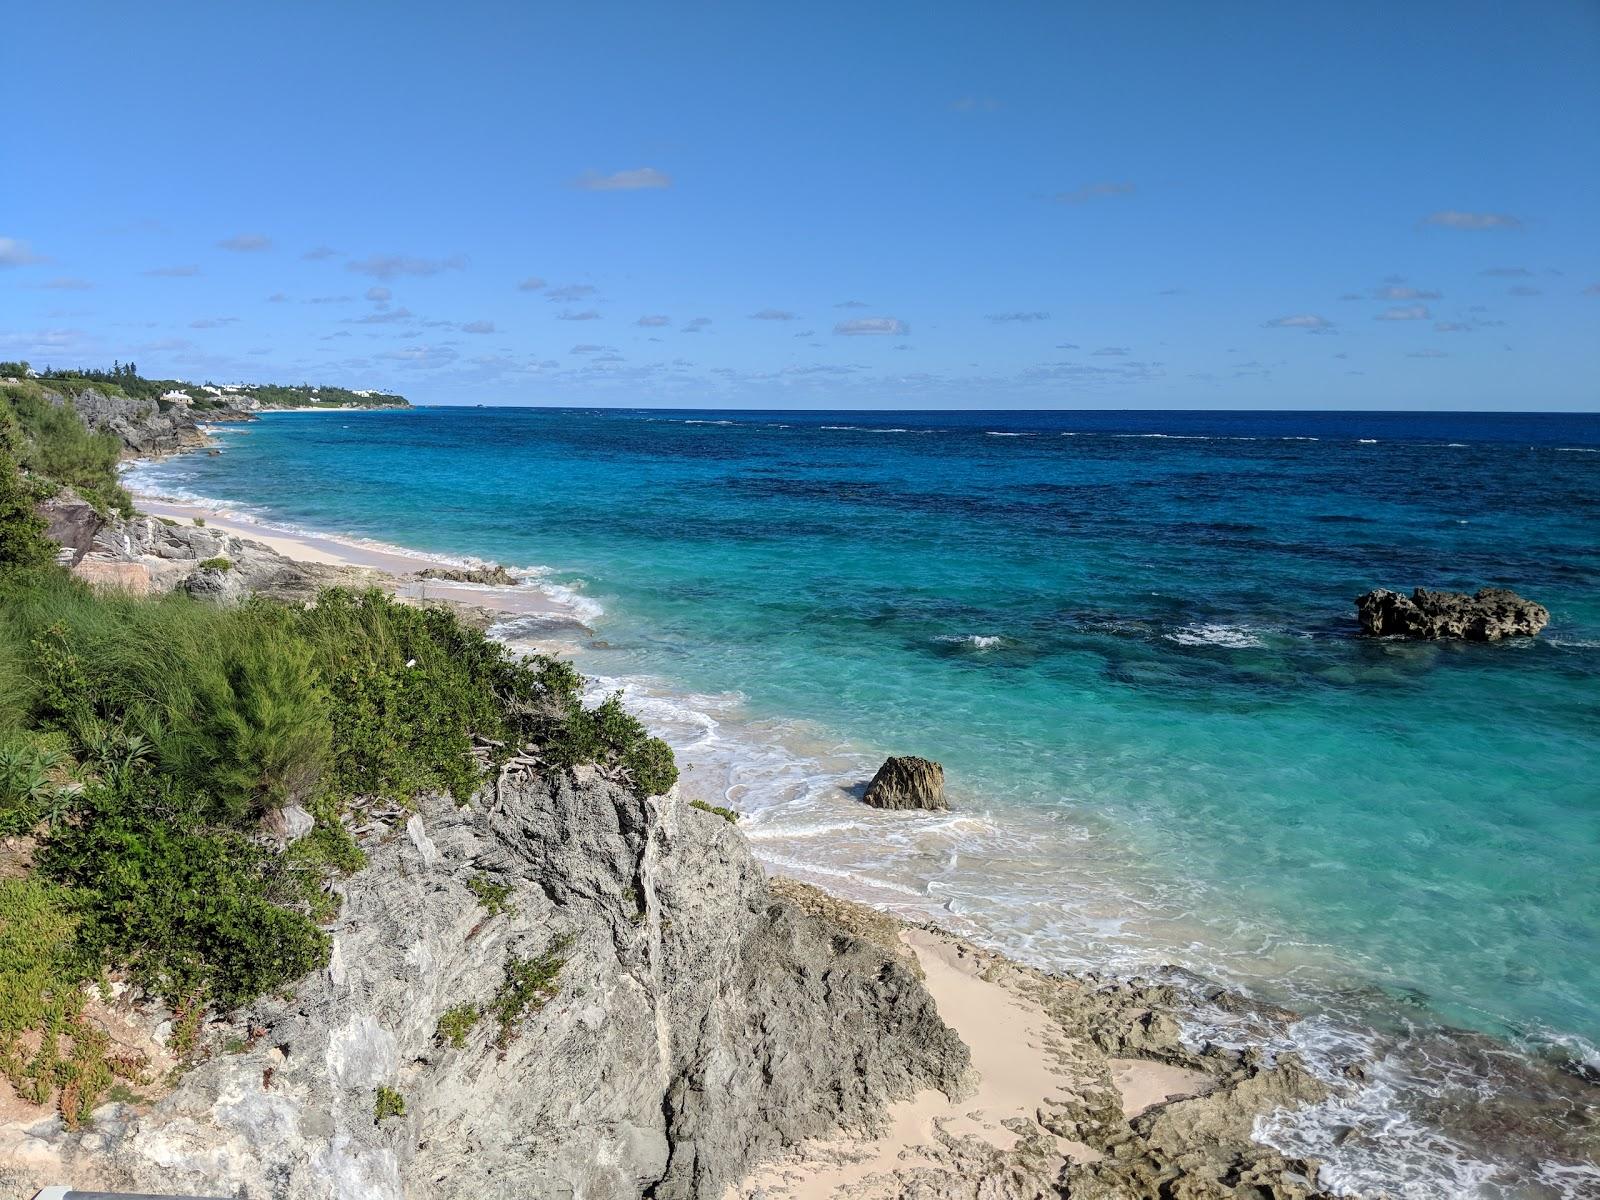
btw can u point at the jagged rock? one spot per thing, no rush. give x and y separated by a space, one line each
72 524
141 425
701 1024
214 584
1492 614
495 575
905 781
130 577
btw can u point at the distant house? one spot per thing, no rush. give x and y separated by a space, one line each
176 396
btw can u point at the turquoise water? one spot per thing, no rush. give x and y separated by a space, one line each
1128 637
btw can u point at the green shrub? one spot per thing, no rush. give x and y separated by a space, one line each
52 442
455 1023
189 909
610 735
200 521
23 542
388 1103
530 983
216 564
727 814
495 897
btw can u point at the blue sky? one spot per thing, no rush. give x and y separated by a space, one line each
897 205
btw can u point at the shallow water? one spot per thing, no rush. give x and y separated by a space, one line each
1128 637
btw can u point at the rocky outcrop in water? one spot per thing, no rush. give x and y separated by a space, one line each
905 781
496 575
1492 614
697 1023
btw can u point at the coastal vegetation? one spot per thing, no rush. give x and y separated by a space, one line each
151 749
123 379
53 447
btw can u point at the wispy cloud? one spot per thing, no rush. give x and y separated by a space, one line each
851 304
873 327
1524 290
531 284
1006 317
67 283
213 322
478 327
654 321
695 324
975 104
1451 218
1094 191
276 298
330 300
567 293
587 314
1507 272
588 348
392 317
638 179
773 314
1400 292
379 295
1310 322
1409 312
317 253
1110 352
17 253
179 272
246 243
390 266
1429 353
1592 290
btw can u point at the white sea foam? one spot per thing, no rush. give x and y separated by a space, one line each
1367 441
1234 637
978 641
1004 433
1577 450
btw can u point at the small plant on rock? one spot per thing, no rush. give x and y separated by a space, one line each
455 1023
389 1103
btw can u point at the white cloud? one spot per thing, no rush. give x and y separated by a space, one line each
67 283
531 284
478 327
851 304
246 243
772 314
1310 322
695 324
1508 272
1003 317
1094 191
181 272
319 252
388 266
638 179
654 322
873 326
1110 352
587 314
1454 219
1398 292
571 291
1411 312
379 295
16 253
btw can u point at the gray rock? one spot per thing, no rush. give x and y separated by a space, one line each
1492 614
72 524
701 1024
905 781
496 575
141 425
214 584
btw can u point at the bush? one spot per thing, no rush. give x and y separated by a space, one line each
23 543
531 982
716 810
388 1103
608 734
189 909
455 1023
52 442
494 897
216 564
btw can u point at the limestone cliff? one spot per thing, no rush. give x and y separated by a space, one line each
698 1023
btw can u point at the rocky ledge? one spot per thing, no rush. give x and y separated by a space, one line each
690 1024
1492 614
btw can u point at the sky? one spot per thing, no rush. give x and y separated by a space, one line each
931 205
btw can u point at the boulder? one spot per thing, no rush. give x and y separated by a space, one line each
1492 614
130 577
212 583
72 524
905 781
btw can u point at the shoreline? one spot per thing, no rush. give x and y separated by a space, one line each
822 1159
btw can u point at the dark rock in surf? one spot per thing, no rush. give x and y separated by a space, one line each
905 782
496 575
1492 614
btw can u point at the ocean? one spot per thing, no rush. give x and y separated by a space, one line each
1130 639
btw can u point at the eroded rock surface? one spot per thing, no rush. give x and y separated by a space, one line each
700 1024
1488 616
905 781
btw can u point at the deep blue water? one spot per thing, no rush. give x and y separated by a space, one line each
1129 637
